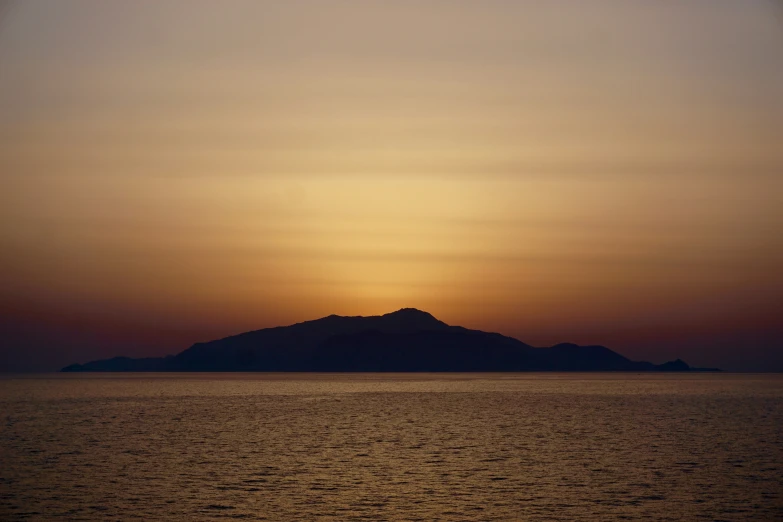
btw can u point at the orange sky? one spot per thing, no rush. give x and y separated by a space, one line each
605 172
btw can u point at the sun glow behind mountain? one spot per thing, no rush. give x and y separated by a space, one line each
603 172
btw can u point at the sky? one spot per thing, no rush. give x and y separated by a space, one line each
604 172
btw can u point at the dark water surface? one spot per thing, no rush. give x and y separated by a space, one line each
392 447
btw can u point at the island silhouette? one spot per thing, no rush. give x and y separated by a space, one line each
408 340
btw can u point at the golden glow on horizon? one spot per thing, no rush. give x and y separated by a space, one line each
501 165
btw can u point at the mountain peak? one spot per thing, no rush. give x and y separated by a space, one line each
413 318
409 312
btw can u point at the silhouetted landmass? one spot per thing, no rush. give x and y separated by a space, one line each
408 340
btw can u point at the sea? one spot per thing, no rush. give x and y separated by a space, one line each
531 446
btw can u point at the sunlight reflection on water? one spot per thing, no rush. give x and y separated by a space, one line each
375 447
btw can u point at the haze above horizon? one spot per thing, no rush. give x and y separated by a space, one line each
598 173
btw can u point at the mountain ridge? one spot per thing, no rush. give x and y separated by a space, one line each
407 340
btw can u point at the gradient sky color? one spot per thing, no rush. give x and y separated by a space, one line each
604 172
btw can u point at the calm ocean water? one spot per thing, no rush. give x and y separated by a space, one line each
392 447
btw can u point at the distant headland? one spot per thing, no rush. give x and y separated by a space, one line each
407 340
